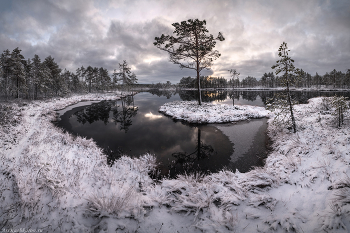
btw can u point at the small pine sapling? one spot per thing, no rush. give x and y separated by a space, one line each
283 102
340 105
234 75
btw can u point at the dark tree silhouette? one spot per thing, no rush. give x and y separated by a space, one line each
234 74
95 112
285 64
191 47
201 151
127 112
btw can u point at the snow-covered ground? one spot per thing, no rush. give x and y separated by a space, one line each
54 182
191 112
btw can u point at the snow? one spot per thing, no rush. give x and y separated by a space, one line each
55 182
191 112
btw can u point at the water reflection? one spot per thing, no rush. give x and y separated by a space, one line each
162 92
248 96
201 151
189 162
251 144
207 96
152 116
133 126
95 112
124 115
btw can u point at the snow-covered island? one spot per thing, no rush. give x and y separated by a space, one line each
51 181
191 112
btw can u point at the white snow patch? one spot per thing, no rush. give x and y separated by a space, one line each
191 112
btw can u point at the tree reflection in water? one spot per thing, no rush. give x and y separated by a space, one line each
124 115
188 161
233 95
159 93
100 112
95 112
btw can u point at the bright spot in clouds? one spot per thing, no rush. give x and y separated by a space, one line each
151 59
152 116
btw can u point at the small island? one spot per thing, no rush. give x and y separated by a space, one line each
191 112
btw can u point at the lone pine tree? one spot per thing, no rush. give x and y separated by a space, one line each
290 75
127 77
191 47
234 74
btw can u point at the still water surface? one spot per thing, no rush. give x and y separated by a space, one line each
133 126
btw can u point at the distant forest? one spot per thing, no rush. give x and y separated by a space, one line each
332 80
33 79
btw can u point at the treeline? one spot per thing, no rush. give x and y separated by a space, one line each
333 79
33 78
223 95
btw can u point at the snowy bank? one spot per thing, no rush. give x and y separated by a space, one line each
191 112
54 182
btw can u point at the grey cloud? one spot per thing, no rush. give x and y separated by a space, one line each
135 41
161 71
79 33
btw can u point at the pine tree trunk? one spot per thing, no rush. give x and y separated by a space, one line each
233 94
17 88
7 84
36 91
197 69
199 87
291 108
342 114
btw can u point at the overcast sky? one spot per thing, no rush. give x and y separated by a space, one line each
103 33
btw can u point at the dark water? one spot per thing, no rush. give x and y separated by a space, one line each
133 126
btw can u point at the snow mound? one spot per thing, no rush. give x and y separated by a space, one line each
191 112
